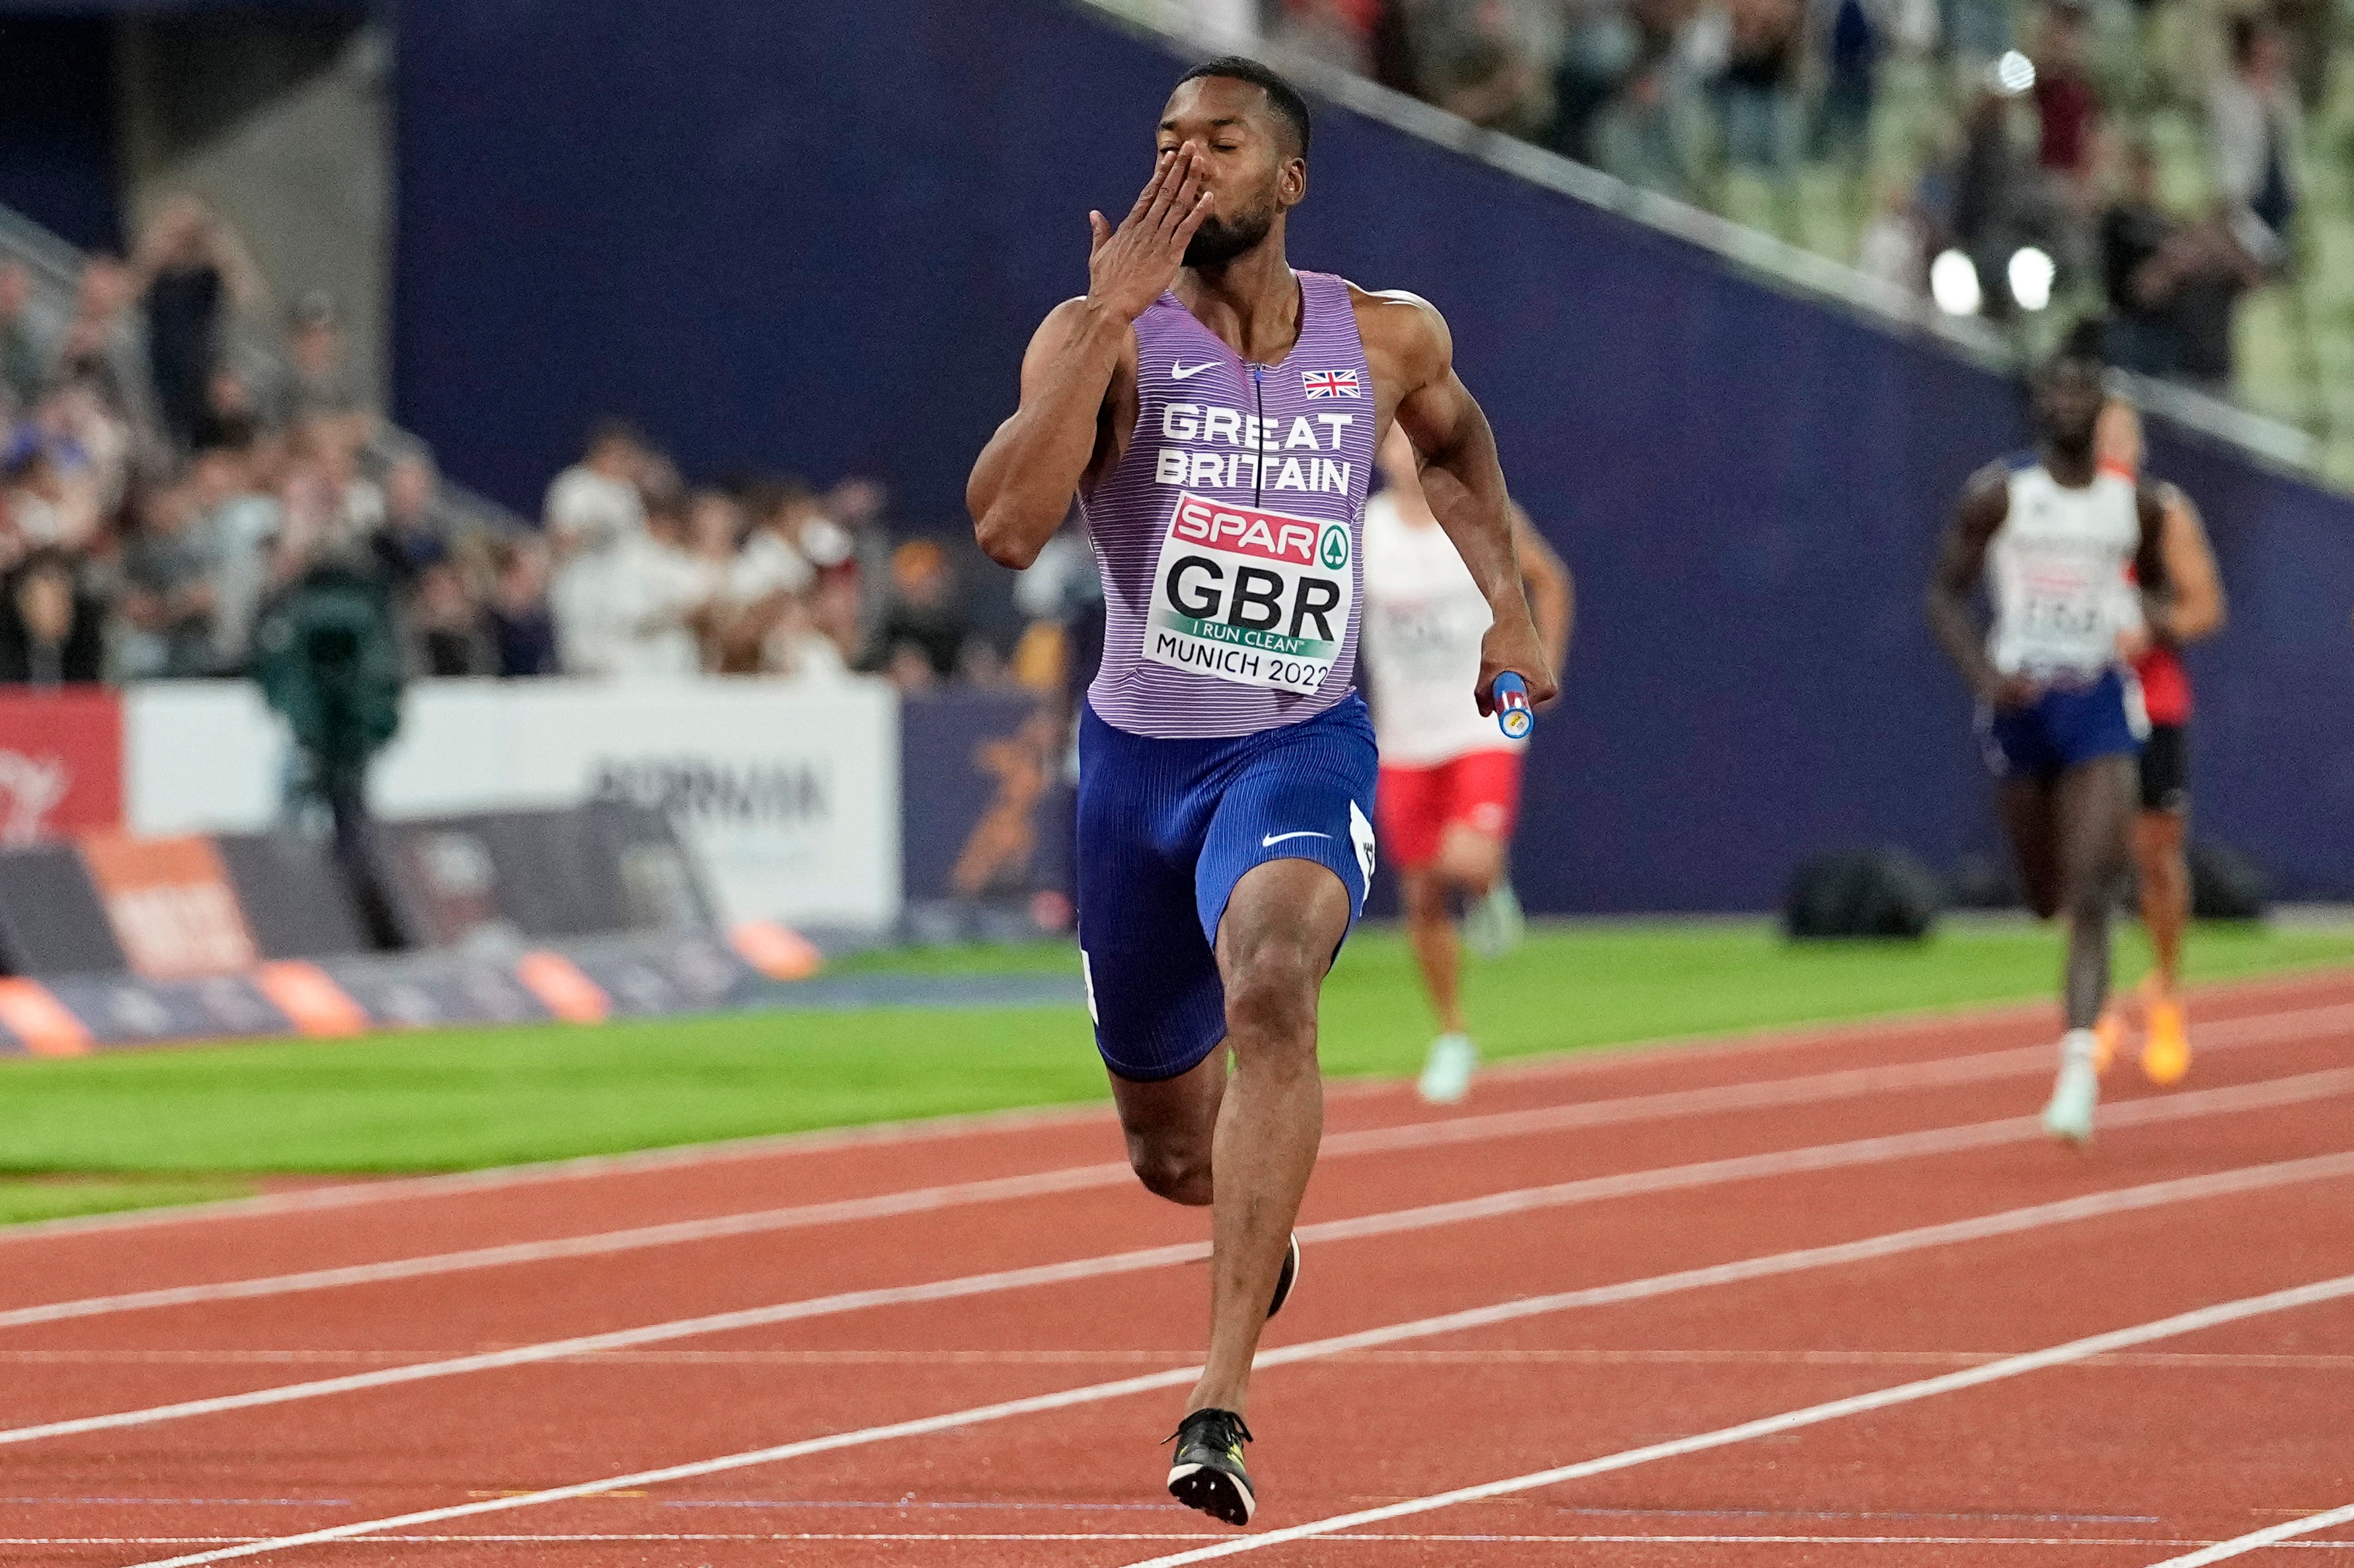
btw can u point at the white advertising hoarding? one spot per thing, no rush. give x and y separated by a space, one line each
788 794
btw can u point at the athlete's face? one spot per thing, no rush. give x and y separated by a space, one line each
2068 402
1252 172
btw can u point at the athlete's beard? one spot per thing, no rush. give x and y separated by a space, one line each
1220 241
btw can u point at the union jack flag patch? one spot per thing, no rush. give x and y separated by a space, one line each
1330 383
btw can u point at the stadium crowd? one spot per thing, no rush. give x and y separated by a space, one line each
1978 126
156 488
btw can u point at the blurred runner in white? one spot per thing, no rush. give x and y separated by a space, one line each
1450 782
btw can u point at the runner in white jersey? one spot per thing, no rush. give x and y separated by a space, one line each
2059 543
1217 413
1450 783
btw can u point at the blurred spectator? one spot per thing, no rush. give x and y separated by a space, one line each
332 513
764 584
1895 244
239 528
522 628
103 344
1843 123
317 379
595 517
191 273
50 632
1758 94
1650 134
2254 116
451 632
406 541
662 597
21 369
167 606
48 490
2173 291
1475 63
925 631
2067 105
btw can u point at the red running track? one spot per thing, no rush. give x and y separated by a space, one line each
1618 1298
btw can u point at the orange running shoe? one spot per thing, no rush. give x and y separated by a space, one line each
2108 1038
2166 1053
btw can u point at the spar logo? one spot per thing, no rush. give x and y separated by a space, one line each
1336 546
1269 535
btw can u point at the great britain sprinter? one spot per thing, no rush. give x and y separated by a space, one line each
1217 413
2060 543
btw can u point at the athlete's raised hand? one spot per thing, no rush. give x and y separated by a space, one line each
1132 266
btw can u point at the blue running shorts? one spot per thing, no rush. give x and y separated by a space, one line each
2064 726
1167 828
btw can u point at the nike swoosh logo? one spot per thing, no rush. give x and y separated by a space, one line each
1273 839
1187 372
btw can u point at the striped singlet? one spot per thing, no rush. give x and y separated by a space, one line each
1229 533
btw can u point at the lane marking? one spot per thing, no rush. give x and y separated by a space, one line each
1811 1088
2179 1323
2268 1095
1059 1537
2010 1222
1675 1049
2256 1540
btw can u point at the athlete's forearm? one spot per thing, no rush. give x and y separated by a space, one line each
1023 483
1957 632
1465 485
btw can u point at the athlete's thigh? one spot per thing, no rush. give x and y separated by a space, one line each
2030 823
1304 794
1151 982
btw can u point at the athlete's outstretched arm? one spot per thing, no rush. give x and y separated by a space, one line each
1022 485
1463 481
2193 606
1961 561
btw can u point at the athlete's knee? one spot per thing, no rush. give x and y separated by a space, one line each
1177 1170
1271 996
1423 895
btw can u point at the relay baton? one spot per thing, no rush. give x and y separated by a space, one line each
1513 714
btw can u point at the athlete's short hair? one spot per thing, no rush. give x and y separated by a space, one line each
2081 349
1290 106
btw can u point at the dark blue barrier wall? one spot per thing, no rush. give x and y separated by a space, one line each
57 124
817 236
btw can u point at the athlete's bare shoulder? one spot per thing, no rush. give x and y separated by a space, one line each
1407 343
1985 502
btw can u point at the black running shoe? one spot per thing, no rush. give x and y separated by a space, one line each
1208 1472
1288 1278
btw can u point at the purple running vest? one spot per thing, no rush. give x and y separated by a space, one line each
1229 535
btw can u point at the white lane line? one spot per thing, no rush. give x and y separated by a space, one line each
1058 1537
1893 1244
2257 1540
1594 1189
2179 1323
1811 1088
1579 1061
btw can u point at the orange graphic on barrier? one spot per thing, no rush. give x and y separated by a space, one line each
40 1020
171 905
563 990
311 1000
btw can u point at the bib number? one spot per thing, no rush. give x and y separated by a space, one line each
1254 598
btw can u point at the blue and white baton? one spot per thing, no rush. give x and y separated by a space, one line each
1513 714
